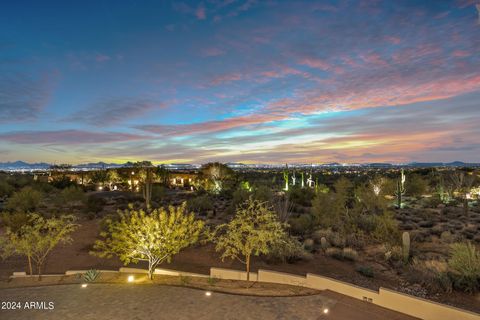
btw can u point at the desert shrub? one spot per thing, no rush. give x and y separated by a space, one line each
71 194
350 254
393 253
386 229
301 196
5 188
158 192
334 253
288 250
431 274
302 225
262 193
94 205
464 266
200 204
62 182
339 254
14 220
91 275
25 200
365 271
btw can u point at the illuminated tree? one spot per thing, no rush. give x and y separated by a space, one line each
215 177
253 231
154 237
37 238
462 184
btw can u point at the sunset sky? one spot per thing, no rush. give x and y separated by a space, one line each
240 80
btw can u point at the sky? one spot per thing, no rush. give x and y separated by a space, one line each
240 81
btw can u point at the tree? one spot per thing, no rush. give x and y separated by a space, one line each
154 237
215 177
37 238
254 230
462 184
25 200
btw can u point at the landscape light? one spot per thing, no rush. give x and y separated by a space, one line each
325 311
208 293
130 278
84 285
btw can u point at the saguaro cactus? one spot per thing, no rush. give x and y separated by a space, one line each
400 189
285 177
406 246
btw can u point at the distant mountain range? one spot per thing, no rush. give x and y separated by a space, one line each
21 165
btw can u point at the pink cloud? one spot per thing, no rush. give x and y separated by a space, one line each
315 63
68 137
200 13
212 52
101 57
461 53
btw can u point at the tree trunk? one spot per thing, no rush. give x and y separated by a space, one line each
248 267
151 269
30 264
39 270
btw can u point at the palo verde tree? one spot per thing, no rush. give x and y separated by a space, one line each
37 238
154 237
253 231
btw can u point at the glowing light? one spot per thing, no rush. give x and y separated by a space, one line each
325 311
208 293
131 278
100 188
84 285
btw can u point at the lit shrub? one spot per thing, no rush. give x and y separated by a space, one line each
464 266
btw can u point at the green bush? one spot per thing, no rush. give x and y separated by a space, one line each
200 204
386 229
302 225
287 250
25 200
301 196
464 266
365 271
71 194
5 188
14 220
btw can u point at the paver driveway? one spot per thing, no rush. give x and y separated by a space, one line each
135 302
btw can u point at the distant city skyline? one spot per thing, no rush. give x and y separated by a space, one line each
240 81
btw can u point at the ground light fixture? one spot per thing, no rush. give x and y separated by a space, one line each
208 293
84 285
325 310
131 278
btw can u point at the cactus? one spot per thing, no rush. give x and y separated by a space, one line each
406 246
91 275
400 189
285 177
303 182
324 243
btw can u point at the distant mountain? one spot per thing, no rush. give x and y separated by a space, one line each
21 165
